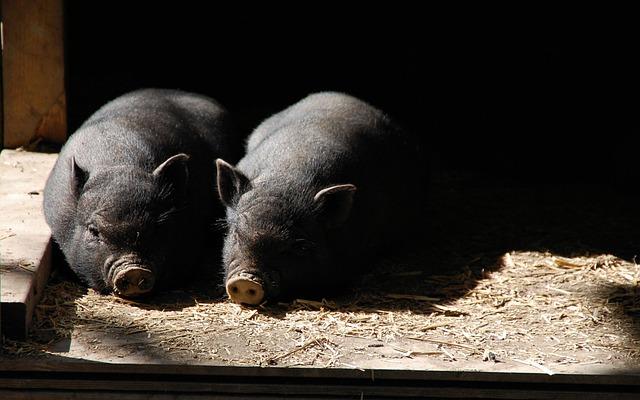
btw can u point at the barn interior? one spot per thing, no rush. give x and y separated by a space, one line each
528 258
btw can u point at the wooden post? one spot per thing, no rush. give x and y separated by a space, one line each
33 72
1 46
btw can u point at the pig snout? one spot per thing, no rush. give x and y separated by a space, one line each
130 278
245 288
133 281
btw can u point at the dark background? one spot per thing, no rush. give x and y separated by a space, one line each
538 100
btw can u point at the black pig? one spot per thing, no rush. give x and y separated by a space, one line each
132 194
323 184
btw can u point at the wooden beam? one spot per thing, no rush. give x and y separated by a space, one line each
1 110
33 72
60 379
25 250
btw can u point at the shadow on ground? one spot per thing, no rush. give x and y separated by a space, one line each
471 222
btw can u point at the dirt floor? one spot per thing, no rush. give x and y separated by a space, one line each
508 277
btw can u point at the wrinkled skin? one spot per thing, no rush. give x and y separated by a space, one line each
324 183
131 199
281 249
127 218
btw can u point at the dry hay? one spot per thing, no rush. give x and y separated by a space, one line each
538 309
534 308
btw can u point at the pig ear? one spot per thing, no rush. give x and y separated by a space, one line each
174 171
78 177
231 183
335 203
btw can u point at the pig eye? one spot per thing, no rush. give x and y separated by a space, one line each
301 246
93 231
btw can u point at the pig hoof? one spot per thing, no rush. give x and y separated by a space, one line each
133 281
242 290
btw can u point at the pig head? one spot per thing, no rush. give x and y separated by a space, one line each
279 235
124 225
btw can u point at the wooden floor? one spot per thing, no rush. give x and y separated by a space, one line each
115 361
24 237
82 380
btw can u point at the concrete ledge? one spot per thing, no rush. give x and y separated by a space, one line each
25 238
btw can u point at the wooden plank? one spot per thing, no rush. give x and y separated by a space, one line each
64 365
191 381
25 249
33 72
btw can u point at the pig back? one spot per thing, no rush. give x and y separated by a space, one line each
332 138
145 127
140 130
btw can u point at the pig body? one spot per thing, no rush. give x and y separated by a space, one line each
323 186
132 195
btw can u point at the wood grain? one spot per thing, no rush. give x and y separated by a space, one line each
77 379
25 250
33 72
